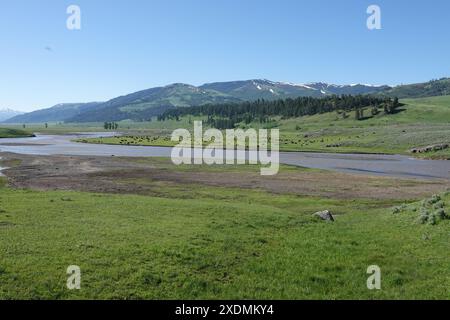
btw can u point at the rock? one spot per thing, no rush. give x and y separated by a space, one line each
324 215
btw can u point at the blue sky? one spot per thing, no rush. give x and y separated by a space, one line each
125 46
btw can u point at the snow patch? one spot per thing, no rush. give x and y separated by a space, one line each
297 85
257 85
365 84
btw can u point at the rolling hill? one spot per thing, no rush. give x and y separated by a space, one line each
151 102
60 112
143 105
7 113
431 88
266 89
352 89
262 89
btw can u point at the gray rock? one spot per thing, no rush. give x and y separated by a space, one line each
324 215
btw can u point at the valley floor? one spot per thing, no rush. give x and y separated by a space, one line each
142 228
418 123
145 229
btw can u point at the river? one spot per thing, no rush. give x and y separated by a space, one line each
380 165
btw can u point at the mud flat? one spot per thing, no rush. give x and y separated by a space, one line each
133 175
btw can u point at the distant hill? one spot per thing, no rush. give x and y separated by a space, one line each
352 89
143 105
262 89
151 102
7 113
432 88
60 112
266 89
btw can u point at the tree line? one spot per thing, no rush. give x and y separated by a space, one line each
110 125
226 115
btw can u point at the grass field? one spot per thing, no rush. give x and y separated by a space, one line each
124 126
214 242
419 123
13 133
180 235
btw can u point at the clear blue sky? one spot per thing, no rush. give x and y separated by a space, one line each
125 46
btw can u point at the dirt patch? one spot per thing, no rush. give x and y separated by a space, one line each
124 175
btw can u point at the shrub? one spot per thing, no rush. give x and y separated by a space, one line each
401 208
441 214
431 210
439 205
395 210
423 218
432 219
435 198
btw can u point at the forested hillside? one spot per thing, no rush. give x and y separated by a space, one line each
227 115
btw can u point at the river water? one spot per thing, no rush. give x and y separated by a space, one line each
380 165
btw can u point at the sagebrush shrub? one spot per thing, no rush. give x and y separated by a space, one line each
441 214
423 218
439 205
432 219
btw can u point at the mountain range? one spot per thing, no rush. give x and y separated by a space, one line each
143 105
57 113
7 113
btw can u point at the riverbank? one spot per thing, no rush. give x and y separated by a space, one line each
165 141
379 165
14 133
140 175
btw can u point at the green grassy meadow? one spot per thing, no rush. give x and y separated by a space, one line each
124 126
419 123
192 241
13 133
215 243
